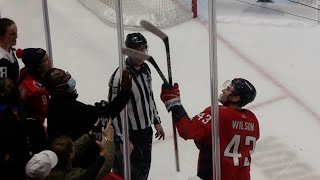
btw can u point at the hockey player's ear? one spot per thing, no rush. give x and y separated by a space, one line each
236 99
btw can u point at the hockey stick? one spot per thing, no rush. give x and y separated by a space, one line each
140 55
156 31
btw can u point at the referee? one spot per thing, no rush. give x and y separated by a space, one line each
141 111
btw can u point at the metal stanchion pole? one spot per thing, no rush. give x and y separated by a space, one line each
47 27
318 13
214 89
125 126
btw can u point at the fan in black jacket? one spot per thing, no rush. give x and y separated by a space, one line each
67 116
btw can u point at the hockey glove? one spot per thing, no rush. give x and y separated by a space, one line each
170 96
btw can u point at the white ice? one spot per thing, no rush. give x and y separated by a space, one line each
276 51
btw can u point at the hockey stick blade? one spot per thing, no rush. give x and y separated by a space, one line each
140 55
156 31
151 28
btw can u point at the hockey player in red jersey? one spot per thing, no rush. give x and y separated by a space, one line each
239 129
33 94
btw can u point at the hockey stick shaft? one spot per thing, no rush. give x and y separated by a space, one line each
137 54
175 139
166 43
156 31
155 65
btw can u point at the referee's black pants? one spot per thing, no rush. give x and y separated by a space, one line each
140 157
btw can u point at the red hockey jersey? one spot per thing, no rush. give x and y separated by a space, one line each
239 131
35 96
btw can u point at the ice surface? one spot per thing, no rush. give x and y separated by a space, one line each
276 51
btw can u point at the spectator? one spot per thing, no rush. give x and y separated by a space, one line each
67 151
66 115
9 67
32 91
14 152
20 136
40 165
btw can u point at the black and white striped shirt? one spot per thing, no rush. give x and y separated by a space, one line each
141 108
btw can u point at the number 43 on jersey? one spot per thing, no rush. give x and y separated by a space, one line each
232 149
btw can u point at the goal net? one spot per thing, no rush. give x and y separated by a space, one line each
161 13
311 3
